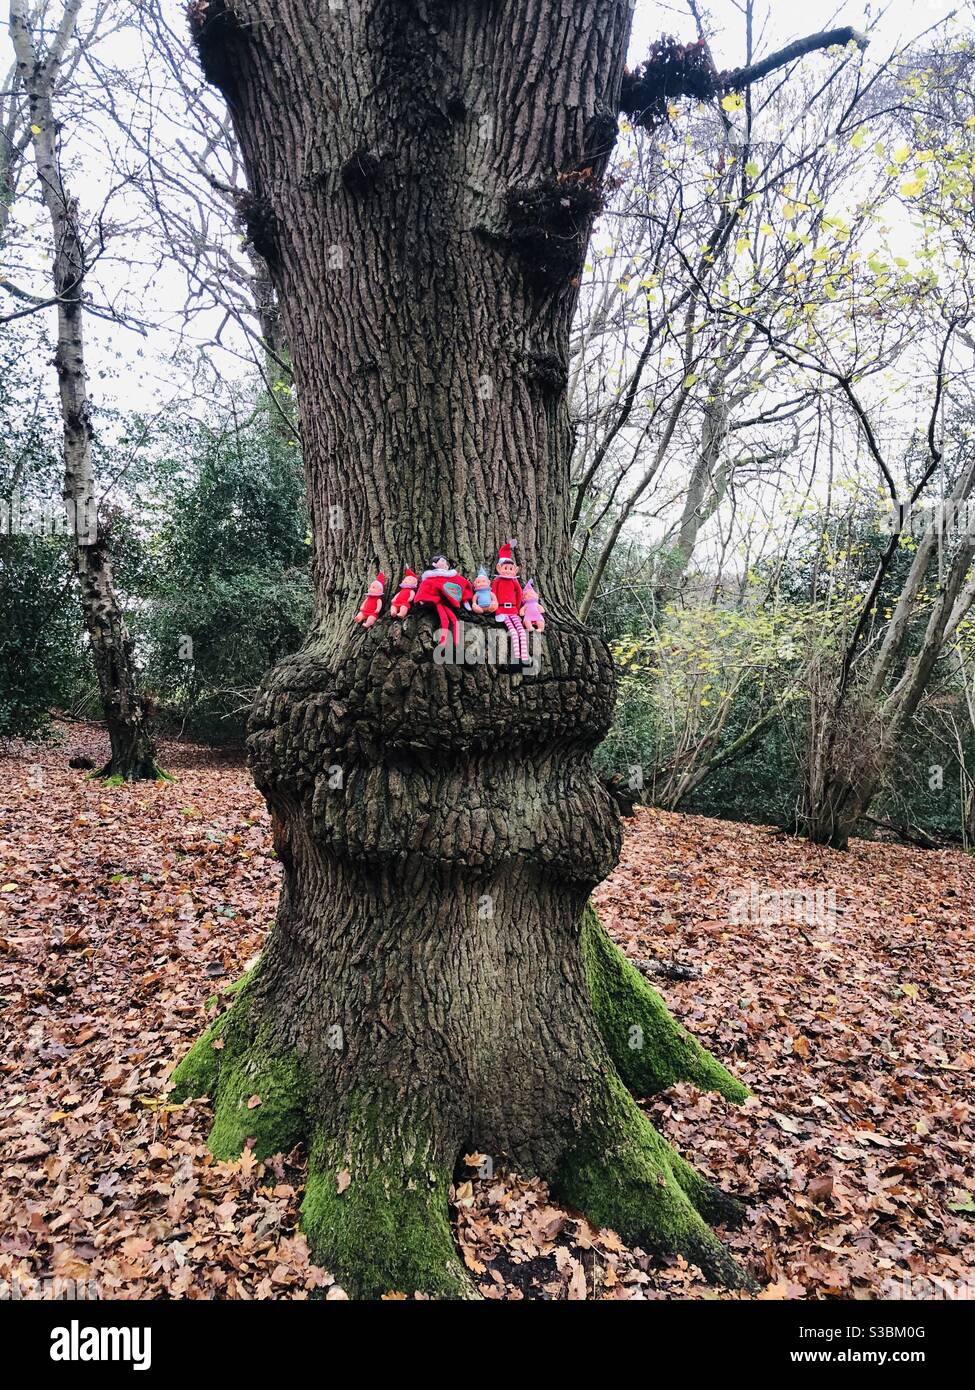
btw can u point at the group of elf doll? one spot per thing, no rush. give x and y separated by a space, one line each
441 589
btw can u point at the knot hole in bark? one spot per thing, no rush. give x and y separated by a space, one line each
360 172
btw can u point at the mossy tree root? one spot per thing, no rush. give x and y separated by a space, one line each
622 1174
375 1208
649 1048
141 772
376 1200
260 1095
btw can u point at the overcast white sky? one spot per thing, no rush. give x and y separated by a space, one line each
782 20
143 374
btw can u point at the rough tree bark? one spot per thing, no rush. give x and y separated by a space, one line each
126 714
424 176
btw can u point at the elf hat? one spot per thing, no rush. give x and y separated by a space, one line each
381 579
529 591
504 554
481 572
408 574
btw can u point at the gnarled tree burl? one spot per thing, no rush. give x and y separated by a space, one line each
424 175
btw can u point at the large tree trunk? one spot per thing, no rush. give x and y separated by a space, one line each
428 989
126 712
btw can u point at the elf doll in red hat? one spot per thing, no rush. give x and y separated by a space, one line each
405 595
443 588
372 604
508 593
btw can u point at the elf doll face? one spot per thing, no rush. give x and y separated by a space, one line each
375 588
482 582
440 562
507 569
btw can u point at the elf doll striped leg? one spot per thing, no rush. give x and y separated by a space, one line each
518 638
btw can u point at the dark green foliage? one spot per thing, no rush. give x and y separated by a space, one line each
626 599
42 653
763 785
230 595
42 657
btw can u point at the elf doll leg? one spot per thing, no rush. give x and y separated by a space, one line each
516 637
448 623
522 639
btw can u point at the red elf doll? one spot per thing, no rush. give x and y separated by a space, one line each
405 595
372 604
508 593
442 588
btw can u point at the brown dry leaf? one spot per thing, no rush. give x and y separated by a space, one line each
577 1283
820 1188
127 1176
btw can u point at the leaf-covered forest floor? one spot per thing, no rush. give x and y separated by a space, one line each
123 909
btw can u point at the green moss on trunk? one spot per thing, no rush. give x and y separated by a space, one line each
259 1094
622 1174
376 1199
649 1047
375 1208
149 772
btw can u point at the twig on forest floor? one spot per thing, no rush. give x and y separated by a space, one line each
668 969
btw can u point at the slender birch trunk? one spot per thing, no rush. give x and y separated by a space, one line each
126 713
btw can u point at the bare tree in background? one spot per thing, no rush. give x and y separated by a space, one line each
125 710
673 398
178 143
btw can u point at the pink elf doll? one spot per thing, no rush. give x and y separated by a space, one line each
372 605
532 612
405 595
508 593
